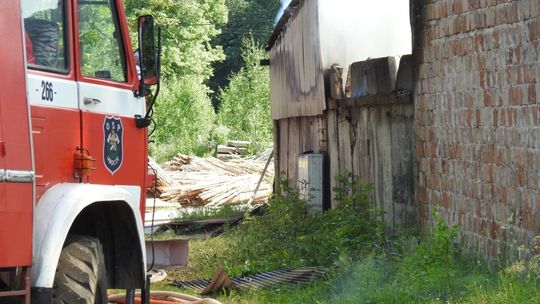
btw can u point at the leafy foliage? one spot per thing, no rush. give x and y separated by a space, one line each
289 235
183 113
247 18
188 28
245 103
184 116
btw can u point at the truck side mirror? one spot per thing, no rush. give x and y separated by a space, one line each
150 65
148 53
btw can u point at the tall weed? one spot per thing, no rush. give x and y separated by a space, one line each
289 235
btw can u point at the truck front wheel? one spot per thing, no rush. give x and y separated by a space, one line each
80 276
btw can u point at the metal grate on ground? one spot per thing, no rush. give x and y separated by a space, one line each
261 280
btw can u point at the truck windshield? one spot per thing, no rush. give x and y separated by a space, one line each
101 47
45 32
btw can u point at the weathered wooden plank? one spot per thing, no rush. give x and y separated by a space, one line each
355 142
294 149
283 149
402 164
364 146
382 163
368 101
305 134
345 153
336 82
321 144
277 154
333 152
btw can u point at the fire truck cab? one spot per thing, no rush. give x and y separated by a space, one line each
73 149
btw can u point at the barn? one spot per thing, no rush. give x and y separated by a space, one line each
348 113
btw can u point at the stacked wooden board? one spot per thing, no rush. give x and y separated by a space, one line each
232 149
197 181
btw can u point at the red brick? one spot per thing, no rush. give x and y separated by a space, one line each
500 15
457 7
468 117
474 4
499 157
487 173
494 228
535 116
502 117
419 150
477 209
489 155
430 12
511 12
519 158
521 178
482 75
491 2
531 89
510 116
527 219
534 30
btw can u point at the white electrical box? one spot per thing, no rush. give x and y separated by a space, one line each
310 179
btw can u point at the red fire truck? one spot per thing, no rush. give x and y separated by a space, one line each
73 149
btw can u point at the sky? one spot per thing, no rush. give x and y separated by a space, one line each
284 4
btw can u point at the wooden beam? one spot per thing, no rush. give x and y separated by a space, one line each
373 100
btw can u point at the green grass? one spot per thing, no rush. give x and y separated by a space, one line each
205 213
365 265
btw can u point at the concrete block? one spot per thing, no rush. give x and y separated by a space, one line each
373 77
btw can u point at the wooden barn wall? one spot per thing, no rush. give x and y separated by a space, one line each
374 144
296 73
295 136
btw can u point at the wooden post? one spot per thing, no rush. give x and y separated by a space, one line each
276 133
336 82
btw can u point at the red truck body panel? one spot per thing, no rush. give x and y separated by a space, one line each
16 199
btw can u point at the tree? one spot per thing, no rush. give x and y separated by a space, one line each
254 18
188 29
245 102
183 113
184 118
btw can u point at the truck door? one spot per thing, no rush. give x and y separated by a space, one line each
52 91
107 80
16 169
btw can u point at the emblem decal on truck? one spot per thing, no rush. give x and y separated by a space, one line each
113 131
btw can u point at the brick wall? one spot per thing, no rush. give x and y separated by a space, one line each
477 120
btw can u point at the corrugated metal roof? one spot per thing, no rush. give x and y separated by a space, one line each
261 280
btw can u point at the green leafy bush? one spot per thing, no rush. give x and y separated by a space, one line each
289 235
245 103
184 120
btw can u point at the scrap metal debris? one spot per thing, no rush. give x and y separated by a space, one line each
221 280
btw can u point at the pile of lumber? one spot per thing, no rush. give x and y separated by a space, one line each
197 181
232 149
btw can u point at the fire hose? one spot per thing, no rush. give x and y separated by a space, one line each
164 297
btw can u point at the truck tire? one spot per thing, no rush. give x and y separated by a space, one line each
80 276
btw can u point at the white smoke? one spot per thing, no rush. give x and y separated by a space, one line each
357 29
353 30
